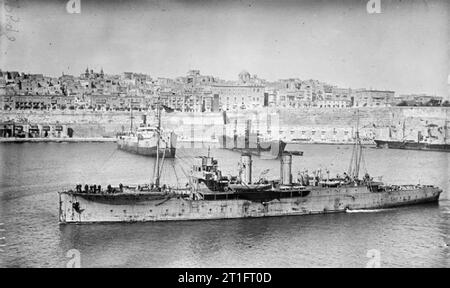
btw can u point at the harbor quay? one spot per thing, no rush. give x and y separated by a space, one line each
305 125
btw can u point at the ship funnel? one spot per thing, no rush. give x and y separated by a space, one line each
246 168
285 169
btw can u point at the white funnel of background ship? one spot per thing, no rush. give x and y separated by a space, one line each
285 169
246 168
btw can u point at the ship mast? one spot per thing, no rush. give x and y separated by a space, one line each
131 117
403 130
445 132
355 162
158 139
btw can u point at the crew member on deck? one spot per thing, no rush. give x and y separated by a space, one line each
367 177
346 177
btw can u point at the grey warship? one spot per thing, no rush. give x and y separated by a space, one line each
211 195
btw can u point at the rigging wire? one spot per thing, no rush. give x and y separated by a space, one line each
185 173
350 168
175 172
364 163
183 161
97 170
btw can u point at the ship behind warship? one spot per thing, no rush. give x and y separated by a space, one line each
148 140
428 141
212 195
144 141
250 142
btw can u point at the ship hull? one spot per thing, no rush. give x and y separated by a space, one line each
412 145
148 147
79 208
147 151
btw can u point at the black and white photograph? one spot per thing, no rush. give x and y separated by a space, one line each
231 134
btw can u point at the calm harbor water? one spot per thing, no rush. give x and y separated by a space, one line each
32 173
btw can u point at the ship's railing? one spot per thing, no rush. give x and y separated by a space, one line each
98 189
404 187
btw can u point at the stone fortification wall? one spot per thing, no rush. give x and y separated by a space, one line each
402 121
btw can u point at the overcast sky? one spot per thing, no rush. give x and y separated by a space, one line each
405 48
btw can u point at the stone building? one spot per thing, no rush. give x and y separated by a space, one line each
418 100
188 100
291 99
234 97
117 102
335 97
195 78
39 102
313 90
372 98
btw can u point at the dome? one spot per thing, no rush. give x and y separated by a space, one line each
244 73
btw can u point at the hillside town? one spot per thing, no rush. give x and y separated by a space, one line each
98 91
